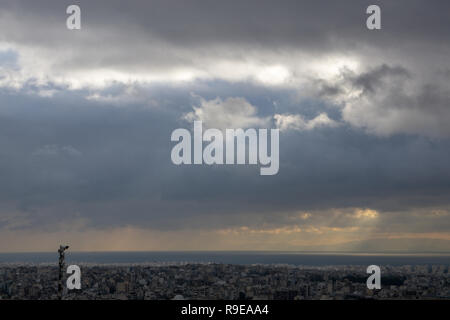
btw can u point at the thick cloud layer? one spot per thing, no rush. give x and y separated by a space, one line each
86 118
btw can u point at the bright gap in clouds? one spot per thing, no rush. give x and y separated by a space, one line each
329 67
262 69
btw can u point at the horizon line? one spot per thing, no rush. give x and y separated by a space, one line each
387 252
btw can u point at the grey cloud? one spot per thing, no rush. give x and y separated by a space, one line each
197 21
372 81
125 167
395 101
404 88
101 152
165 35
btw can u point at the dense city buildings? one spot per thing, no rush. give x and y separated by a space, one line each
225 281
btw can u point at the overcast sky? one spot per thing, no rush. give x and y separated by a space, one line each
86 118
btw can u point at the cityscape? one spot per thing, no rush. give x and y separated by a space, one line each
212 281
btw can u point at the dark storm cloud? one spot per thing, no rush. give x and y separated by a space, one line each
159 34
370 81
85 134
265 22
393 99
63 157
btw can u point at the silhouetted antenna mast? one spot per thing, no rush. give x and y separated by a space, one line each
61 268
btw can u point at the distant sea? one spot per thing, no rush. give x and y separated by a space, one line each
230 257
